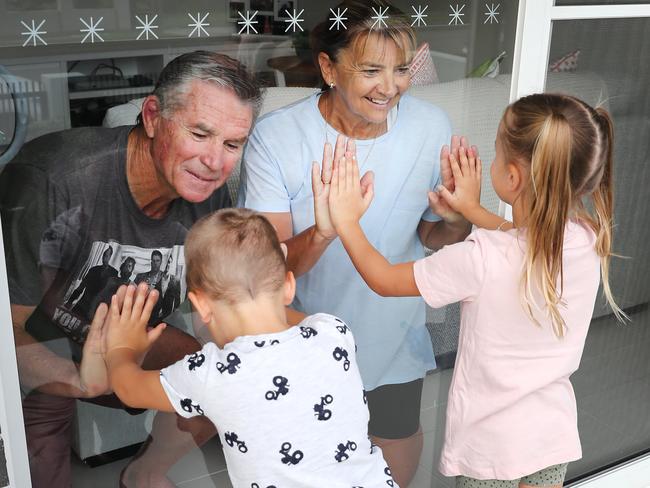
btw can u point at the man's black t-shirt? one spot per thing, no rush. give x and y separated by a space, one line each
64 201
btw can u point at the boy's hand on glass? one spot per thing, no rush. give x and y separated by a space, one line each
349 200
466 168
93 375
127 328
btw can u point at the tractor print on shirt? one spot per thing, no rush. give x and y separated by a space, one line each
282 385
195 361
231 439
341 354
288 457
232 366
308 332
342 327
342 451
321 412
189 407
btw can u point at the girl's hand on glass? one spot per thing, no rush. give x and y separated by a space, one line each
438 205
466 169
348 199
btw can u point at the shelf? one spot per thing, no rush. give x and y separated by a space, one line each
110 92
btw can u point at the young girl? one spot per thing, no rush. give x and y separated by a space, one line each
527 287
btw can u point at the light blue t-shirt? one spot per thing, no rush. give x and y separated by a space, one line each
393 343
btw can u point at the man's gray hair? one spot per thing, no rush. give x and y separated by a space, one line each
221 70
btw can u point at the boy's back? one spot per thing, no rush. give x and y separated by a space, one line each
289 406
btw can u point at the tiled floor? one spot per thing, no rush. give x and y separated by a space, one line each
612 388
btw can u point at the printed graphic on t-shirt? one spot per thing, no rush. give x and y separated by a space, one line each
111 265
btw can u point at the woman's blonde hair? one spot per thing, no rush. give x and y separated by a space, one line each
567 148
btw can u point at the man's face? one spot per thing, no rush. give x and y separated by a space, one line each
155 263
196 148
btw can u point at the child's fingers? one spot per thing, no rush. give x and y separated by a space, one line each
455 167
479 168
355 170
342 167
154 333
138 303
114 310
127 306
150 303
464 161
334 186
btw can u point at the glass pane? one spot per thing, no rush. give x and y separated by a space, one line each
611 384
73 66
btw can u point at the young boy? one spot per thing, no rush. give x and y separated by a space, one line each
288 401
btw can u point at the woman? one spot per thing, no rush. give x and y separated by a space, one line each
397 141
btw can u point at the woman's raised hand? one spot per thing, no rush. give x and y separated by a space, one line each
348 200
321 178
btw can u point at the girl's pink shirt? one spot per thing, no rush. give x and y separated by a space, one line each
511 410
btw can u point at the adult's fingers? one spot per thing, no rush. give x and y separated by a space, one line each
326 170
150 303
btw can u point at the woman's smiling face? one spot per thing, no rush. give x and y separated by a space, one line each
369 76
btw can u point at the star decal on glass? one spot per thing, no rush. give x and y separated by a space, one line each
92 30
294 20
419 15
379 17
456 15
491 14
199 24
338 19
247 22
146 26
33 33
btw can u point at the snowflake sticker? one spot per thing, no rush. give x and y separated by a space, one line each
491 14
456 15
247 22
379 17
338 19
419 15
92 30
294 20
33 33
199 24
146 26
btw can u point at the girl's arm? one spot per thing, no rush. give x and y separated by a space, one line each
347 205
127 341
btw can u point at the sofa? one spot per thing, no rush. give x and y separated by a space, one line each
475 106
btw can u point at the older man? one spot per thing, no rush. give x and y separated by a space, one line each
68 195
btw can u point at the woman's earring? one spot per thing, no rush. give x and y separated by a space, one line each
331 84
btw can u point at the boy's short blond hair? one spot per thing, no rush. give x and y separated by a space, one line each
234 255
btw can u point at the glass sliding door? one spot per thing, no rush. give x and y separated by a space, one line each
612 384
